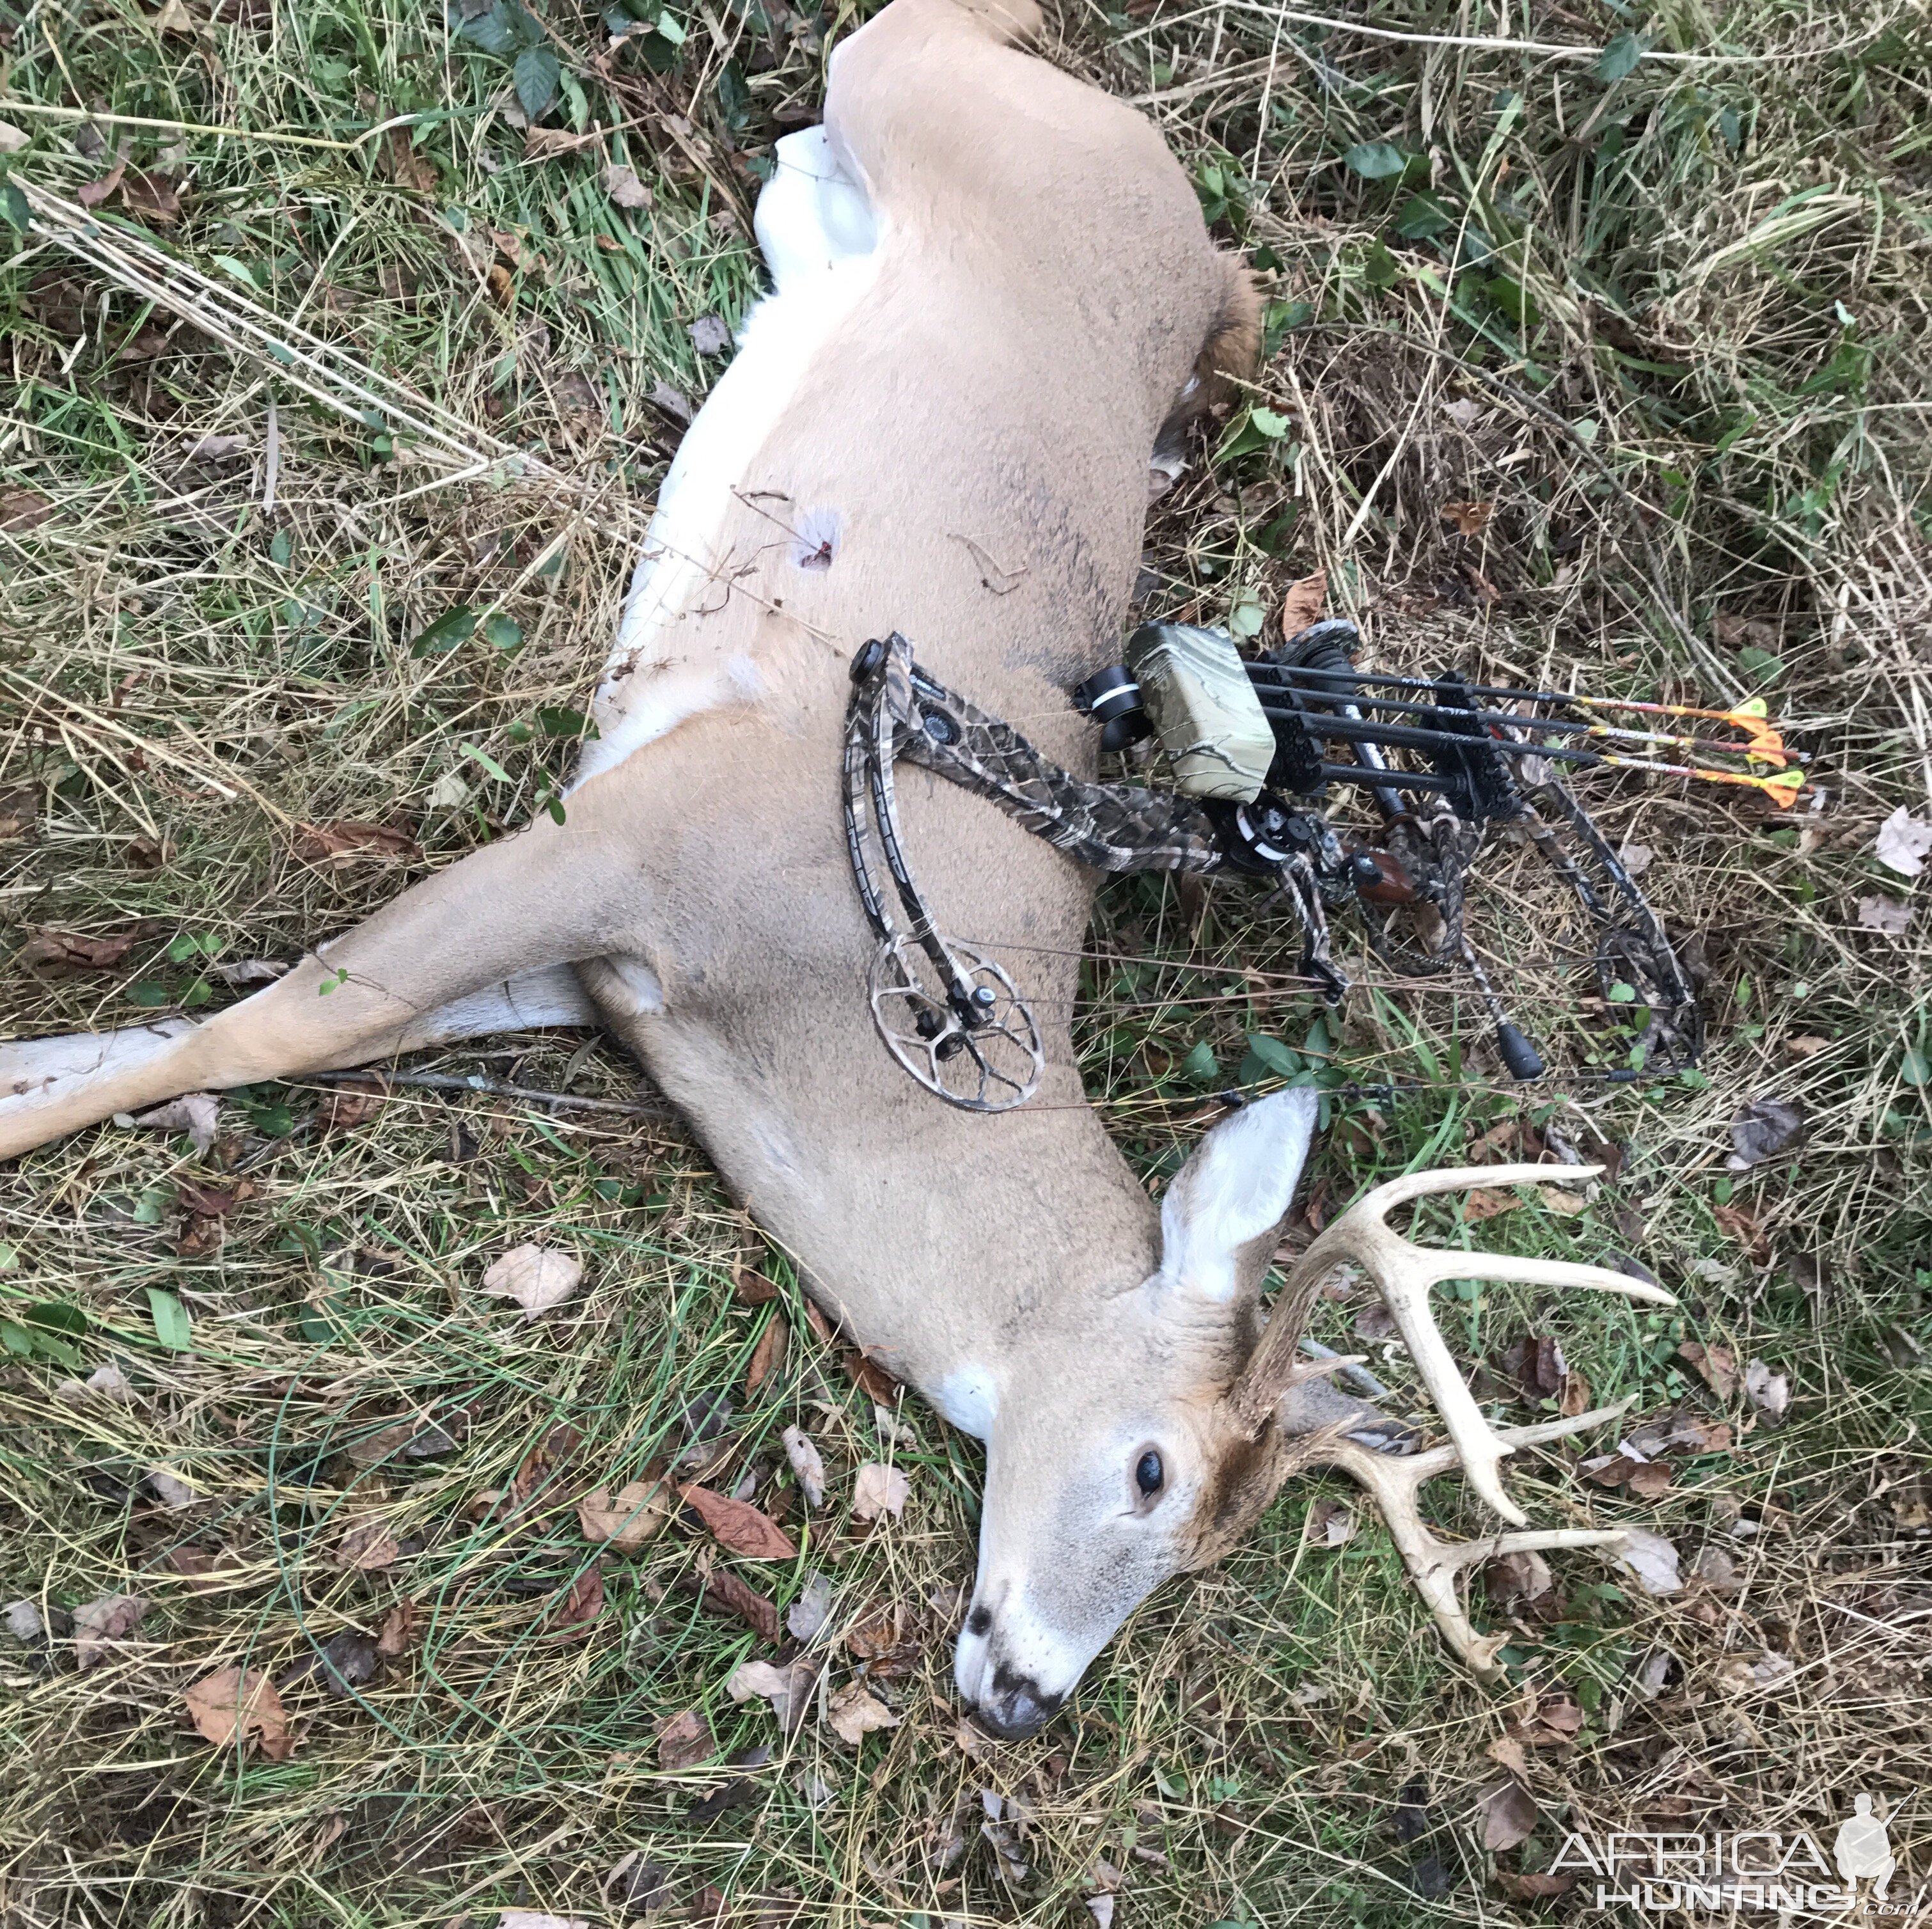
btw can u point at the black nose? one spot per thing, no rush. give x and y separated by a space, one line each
1015 1709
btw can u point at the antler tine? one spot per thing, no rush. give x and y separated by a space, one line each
1394 1482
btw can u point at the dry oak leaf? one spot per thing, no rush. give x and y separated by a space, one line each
1509 1816
739 1597
684 1740
1903 842
1770 1393
154 196
12 139
318 843
396 1635
369 1548
1470 518
878 1488
1889 916
237 1702
1479 1203
1717 1365
353 1102
1304 603
1746 1230
1331 1523
99 1624
1651 1558
739 1525
768 1357
854 1712
635 1516
1763 1129
537 1277
582 1602
623 188
788 1689
22 510
753 1289
535 1918
69 951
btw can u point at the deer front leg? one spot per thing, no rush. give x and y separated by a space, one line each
545 898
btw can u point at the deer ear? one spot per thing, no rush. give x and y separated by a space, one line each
1220 1219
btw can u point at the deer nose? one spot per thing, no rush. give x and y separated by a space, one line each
1016 1708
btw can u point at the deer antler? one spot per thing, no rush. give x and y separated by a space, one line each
1395 1481
1403 1274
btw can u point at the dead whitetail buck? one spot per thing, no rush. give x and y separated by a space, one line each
995 297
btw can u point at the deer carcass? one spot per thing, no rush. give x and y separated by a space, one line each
995 297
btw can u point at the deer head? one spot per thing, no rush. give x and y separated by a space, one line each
1146 1444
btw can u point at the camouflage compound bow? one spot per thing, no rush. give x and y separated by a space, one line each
1447 764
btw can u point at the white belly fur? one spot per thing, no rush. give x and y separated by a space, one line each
820 241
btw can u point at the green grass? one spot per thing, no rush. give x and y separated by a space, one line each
1695 401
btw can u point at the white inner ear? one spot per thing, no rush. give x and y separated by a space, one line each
1235 1189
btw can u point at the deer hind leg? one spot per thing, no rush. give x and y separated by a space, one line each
479 942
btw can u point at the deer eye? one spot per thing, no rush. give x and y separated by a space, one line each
1149 1475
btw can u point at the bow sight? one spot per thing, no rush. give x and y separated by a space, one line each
1447 764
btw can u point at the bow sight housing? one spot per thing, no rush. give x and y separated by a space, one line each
1445 763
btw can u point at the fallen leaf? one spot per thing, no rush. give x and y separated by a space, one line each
721 1586
684 1740
1480 1203
204 1572
154 196
1891 916
1509 1751
1509 1817
636 1887
1745 1230
1716 1365
709 335
1610 1470
1635 858
12 140
170 1489
1715 1569
1806 1045
174 18
24 1621
788 1689
872 1378
1469 518
110 1383
396 1635
807 1615
1559 1718
353 1102
1648 1479
193 1113
69 951
1521 1576
557 143
751 1288
768 1356
1902 842
99 1624
92 193
878 1488
368 1549
1374 1321
819 1324
144 853
1558 1200
318 843
407 1439
855 1711
1573 1396
537 1277
582 1602
635 1516
1537 1364
236 1701
808 1469
535 1918
1650 1557
1770 1393
1331 1523
1763 1129
672 402
623 188
1464 413
740 1526
211 1201
1303 604
348 1660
